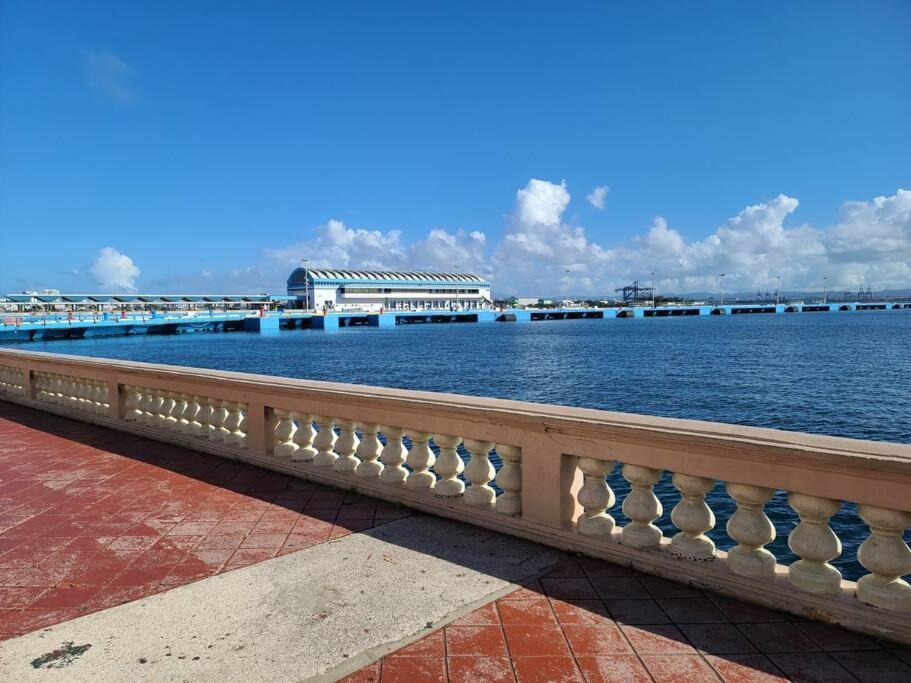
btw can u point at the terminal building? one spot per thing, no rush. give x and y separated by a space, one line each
374 290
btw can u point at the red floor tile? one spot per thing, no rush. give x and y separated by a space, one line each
484 641
613 669
536 641
675 668
90 518
413 669
546 670
476 669
597 640
657 640
526 613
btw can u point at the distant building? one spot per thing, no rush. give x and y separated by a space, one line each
52 301
372 290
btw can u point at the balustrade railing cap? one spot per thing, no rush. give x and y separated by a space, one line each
621 431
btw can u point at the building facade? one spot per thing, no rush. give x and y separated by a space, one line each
374 290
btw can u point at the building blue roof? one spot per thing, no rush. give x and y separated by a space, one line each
373 278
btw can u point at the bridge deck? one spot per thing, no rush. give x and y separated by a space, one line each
91 519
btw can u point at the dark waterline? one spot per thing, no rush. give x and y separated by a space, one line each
845 375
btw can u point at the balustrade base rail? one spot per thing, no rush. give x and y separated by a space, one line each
551 486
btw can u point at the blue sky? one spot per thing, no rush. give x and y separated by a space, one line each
211 144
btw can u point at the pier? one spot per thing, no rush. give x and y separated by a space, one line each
46 328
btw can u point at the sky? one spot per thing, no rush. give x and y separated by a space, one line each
209 146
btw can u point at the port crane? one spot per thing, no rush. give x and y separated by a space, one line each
635 292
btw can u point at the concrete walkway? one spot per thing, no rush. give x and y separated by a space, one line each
123 558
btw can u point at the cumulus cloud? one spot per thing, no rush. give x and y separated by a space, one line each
598 196
869 243
109 75
114 271
339 246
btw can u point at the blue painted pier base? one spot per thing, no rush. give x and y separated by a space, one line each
261 324
381 320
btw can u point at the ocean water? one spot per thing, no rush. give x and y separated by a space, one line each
840 374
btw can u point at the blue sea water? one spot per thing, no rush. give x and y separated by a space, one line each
841 374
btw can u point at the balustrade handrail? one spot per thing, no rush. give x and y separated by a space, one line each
723 444
553 484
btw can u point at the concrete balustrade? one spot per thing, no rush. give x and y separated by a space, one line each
538 471
10 380
79 393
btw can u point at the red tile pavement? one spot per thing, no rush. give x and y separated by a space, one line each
91 518
593 621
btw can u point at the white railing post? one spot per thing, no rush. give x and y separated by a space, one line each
449 466
509 479
752 530
886 555
642 507
393 457
479 472
693 517
814 542
595 497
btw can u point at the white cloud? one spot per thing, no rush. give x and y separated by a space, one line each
336 245
541 202
110 75
598 196
870 242
114 271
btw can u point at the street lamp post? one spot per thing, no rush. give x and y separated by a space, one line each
777 289
825 290
653 289
722 289
566 297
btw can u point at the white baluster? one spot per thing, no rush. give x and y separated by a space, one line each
324 442
752 530
180 412
304 437
346 446
167 409
204 417
239 435
420 460
59 390
41 392
393 457
235 435
143 405
888 558
693 517
158 401
814 542
217 421
283 435
189 417
448 466
479 472
53 388
103 399
90 394
368 450
642 507
509 479
70 393
595 496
